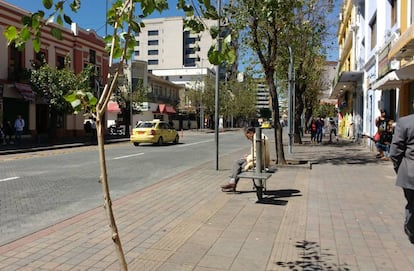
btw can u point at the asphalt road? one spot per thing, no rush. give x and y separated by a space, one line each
42 188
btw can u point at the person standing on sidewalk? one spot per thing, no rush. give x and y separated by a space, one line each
402 156
19 126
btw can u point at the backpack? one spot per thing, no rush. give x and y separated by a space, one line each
382 125
313 126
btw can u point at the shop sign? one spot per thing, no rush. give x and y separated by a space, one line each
371 75
383 62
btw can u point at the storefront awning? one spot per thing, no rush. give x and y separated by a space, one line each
113 107
404 46
165 109
388 81
395 78
26 91
346 81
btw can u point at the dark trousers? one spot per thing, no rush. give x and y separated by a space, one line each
409 210
319 136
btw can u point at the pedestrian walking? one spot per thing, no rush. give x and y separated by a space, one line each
402 156
319 129
332 130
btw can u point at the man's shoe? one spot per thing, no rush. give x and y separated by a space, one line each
231 187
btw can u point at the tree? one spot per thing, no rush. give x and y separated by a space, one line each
126 24
307 40
54 84
262 24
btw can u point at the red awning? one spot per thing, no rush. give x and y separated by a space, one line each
113 107
26 91
165 109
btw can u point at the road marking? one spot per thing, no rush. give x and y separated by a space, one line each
9 179
190 144
127 156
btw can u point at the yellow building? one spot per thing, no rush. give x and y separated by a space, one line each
348 81
402 50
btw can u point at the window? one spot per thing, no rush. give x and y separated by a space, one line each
152 52
92 56
15 63
189 51
373 27
60 62
190 62
136 53
153 62
190 40
412 12
152 32
393 4
40 59
153 42
137 43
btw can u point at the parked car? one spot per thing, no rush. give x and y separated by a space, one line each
155 131
266 125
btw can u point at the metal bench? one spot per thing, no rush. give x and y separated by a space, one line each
258 176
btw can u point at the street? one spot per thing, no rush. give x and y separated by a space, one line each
40 189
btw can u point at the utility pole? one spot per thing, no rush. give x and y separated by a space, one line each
291 90
216 99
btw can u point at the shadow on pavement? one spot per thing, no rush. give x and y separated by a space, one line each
313 259
272 197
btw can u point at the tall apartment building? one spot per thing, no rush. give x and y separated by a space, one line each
165 45
263 96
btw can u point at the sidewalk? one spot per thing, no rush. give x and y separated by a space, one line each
343 214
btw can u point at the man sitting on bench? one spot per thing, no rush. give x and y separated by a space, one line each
248 161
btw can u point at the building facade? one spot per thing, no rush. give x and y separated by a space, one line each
161 96
82 47
375 59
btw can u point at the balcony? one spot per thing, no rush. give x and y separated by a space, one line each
403 47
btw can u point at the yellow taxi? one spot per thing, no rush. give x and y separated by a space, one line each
266 125
155 131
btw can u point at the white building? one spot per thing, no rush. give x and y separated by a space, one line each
174 53
366 32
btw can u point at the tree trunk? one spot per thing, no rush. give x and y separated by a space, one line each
280 154
107 198
298 129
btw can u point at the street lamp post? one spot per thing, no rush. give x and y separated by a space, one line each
216 94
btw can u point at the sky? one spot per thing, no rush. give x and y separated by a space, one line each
91 15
